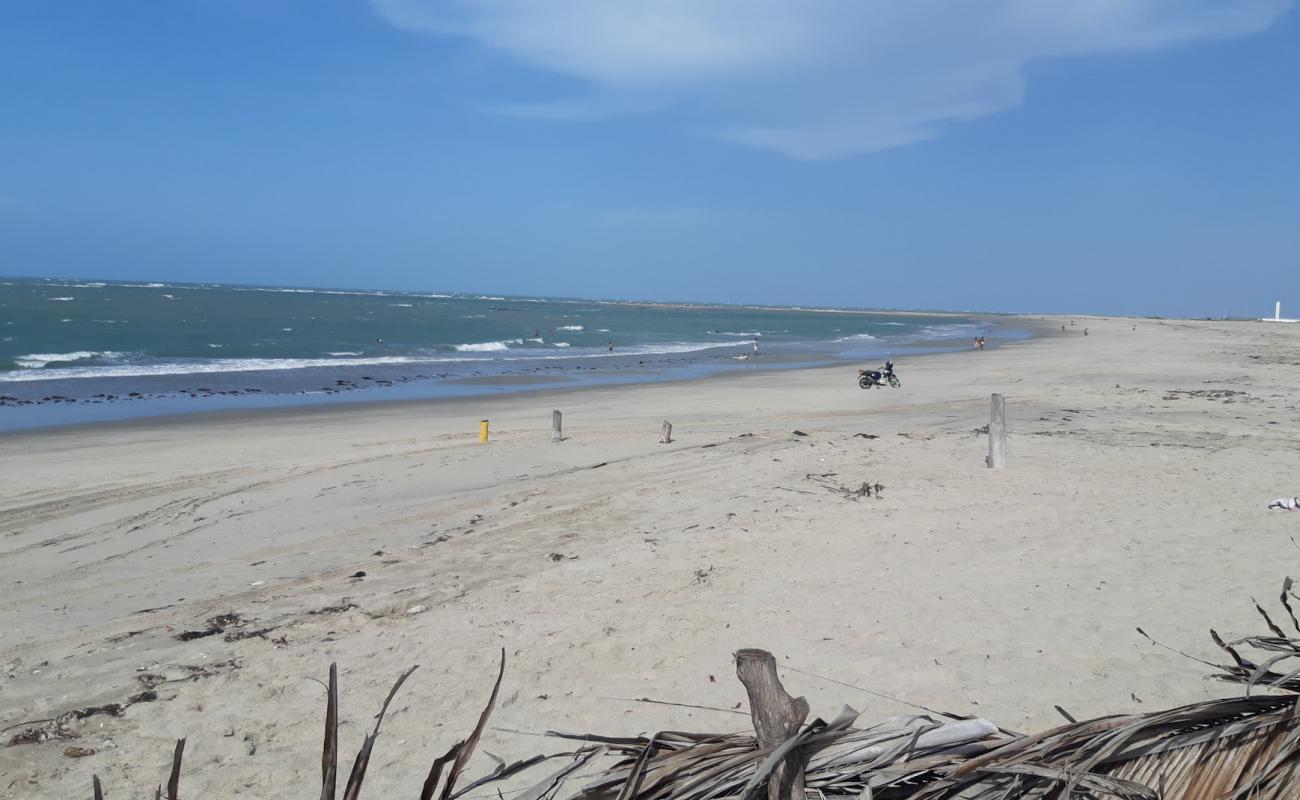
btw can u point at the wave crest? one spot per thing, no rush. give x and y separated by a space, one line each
487 347
39 360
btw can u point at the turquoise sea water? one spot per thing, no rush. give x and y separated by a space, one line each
151 346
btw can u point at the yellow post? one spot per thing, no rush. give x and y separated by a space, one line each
482 430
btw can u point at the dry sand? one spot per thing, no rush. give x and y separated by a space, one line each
1140 465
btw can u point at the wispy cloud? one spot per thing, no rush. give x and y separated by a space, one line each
813 78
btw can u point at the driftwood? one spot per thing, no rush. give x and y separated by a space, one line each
865 489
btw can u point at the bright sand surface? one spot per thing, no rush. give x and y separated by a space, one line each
1139 467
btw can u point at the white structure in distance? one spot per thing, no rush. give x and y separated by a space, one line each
1277 315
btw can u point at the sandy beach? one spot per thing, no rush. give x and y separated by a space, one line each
611 567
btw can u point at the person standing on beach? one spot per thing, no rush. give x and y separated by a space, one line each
755 345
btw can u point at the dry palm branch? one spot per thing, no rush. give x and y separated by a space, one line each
1238 748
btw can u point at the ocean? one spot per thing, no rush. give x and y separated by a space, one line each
74 351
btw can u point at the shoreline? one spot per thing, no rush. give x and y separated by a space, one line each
479 389
612 566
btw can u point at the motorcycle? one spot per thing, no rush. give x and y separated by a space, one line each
870 378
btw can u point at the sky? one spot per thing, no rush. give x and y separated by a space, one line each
1079 156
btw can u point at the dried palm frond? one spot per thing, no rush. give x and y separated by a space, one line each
1242 747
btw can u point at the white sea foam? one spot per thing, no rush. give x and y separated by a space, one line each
637 350
746 334
287 290
570 328
206 366
950 331
60 299
402 305
345 353
485 347
227 365
170 296
539 341
286 329
216 345
857 337
39 360
602 330
674 347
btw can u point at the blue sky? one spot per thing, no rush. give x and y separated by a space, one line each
1126 156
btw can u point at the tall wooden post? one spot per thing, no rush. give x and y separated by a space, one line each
997 433
777 716
556 420
666 434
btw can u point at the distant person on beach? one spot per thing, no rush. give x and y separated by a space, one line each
611 347
1085 331
981 343
755 345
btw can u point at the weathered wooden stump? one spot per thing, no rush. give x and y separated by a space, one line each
777 716
997 433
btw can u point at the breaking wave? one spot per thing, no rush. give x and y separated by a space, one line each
39 360
487 347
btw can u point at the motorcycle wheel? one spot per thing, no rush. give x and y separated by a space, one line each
864 382
894 382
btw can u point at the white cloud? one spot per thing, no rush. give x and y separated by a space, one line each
813 78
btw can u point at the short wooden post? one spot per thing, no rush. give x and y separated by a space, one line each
666 435
997 434
556 424
482 430
776 716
